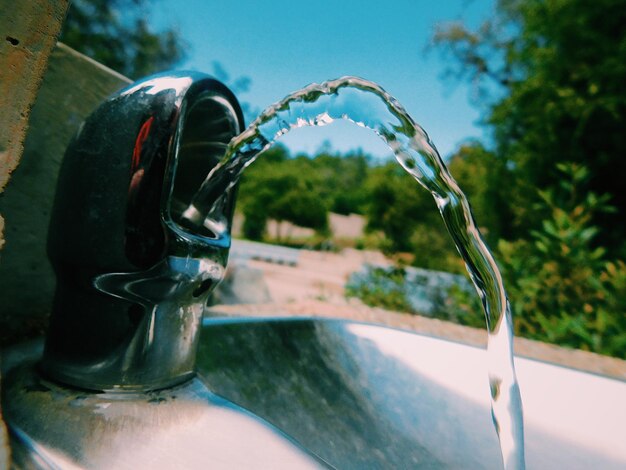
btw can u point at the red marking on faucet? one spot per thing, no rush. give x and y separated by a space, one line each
141 138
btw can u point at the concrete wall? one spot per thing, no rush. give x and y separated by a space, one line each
73 86
28 32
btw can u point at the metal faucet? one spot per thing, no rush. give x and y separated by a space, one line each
116 386
132 280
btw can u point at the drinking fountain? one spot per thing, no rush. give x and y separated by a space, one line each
132 376
132 281
116 384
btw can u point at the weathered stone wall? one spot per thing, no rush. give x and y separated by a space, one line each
28 32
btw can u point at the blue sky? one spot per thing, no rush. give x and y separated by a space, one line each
284 45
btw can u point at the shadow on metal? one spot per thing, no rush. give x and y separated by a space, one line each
366 396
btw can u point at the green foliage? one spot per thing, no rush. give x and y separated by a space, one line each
408 216
550 74
343 178
255 216
116 34
280 188
383 288
394 205
302 190
486 181
414 291
434 249
464 307
562 287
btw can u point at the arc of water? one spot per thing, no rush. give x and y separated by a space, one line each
367 105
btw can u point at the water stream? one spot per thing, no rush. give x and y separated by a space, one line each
368 105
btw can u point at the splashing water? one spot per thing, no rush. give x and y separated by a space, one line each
368 105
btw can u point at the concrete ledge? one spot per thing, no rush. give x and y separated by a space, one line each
572 358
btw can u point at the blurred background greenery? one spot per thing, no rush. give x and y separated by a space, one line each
545 186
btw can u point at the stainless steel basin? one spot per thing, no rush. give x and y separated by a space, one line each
299 393
366 396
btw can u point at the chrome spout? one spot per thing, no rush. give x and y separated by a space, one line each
132 278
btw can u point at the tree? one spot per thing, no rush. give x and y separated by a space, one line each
407 214
344 177
284 189
486 181
115 33
552 75
397 204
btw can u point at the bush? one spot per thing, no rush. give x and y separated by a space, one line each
434 249
380 287
562 288
410 290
